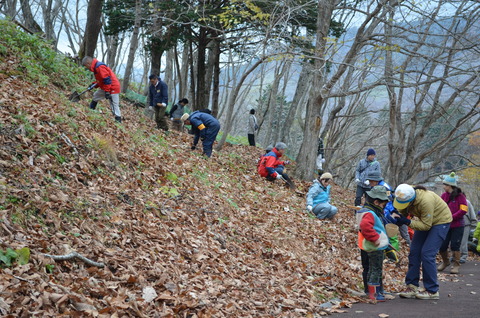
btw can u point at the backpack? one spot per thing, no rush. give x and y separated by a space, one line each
262 167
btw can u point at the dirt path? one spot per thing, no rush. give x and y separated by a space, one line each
459 297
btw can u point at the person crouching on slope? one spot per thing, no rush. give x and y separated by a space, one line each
271 167
318 198
373 240
204 127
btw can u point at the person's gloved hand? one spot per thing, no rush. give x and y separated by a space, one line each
287 162
279 176
92 86
193 147
357 180
367 182
150 107
403 220
309 208
377 242
108 95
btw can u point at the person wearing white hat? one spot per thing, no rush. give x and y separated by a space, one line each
318 197
431 220
204 127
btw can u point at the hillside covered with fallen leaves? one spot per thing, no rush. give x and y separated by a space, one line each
180 235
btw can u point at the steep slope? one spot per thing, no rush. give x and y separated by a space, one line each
209 237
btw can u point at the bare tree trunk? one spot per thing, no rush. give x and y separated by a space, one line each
133 45
216 79
202 93
92 28
168 77
28 18
192 78
9 8
308 151
112 49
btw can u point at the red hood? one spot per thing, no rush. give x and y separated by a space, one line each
275 150
92 66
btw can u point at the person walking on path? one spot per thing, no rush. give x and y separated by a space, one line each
373 241
431 220
365 166
318 198
457 203
158 96
204 127
108 83
176 113
470 220
252 128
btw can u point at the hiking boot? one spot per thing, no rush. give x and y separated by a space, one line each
445 261
411 292
428 295
456 263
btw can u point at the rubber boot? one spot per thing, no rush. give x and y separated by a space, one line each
445 261
93 104
375 294
456 262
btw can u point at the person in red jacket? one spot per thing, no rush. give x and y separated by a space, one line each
270 165
108 83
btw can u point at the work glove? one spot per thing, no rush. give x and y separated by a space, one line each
193 147
309 208
287 162
367 182
108 95
279 176
357 180
403 220
150 107
92 86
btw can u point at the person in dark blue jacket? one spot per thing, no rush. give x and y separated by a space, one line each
204 127
158 96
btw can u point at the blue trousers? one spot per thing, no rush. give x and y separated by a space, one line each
454 239
210 136
423 251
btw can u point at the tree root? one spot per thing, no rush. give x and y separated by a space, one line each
74 255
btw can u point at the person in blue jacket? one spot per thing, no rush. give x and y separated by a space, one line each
318 198
204 127
158 96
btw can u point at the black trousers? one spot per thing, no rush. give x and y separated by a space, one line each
251 139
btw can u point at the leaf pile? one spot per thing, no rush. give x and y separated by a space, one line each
179 235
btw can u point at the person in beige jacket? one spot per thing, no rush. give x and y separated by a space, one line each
430 219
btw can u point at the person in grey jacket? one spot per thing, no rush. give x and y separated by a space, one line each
176 113
364 167
252 127
470 219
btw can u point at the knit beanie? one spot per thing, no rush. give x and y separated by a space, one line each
371 152
451 180
280 146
